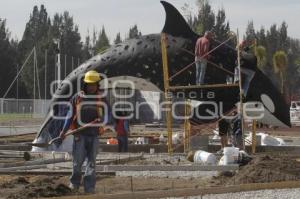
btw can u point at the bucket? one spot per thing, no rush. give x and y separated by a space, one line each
204 157
231 155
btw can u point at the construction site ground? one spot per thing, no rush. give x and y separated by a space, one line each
266 167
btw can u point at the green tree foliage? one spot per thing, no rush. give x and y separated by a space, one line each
261 37
283 37
205 19
134 32
87 48
293 68
221 28
274 43
188 14
8 61
70 41
40 32
250 31
103 42
118 39
35 34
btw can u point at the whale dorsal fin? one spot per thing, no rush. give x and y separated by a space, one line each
175 23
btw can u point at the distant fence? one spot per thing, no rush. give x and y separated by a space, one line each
146 105
37 107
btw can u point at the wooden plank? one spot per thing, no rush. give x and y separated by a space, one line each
31 164
15 154
167 167
16 147
194 192
203 86
51 172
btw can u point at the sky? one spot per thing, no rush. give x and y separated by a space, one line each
120 15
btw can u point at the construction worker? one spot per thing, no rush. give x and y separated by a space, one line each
223 125
201 56
121 126
87 106
248 45
237 137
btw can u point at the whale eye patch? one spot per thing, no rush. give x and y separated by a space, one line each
268 102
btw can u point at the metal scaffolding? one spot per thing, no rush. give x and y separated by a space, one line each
167 85
169 88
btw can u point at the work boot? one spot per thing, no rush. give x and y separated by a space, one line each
74 188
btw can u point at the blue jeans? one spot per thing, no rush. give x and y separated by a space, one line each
122 143
85 148
200 71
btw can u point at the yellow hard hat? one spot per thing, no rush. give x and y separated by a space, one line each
91 77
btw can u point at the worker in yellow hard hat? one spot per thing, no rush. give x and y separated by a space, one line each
87 106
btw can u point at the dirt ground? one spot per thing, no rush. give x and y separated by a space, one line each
44 186
262 169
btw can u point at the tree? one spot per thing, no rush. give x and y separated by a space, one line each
187 14
134 32
221 28
102 43
280 62
261 37
205 19
70 42
293 69
118 39
250 31
35 35
272 41
94 40
8 61
87 48
40 33
283 37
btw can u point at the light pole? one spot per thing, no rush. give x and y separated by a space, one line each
57 41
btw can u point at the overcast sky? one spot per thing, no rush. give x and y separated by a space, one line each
119 15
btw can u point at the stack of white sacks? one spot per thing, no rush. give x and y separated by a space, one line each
267 140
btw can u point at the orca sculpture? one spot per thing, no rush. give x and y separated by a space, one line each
141 58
